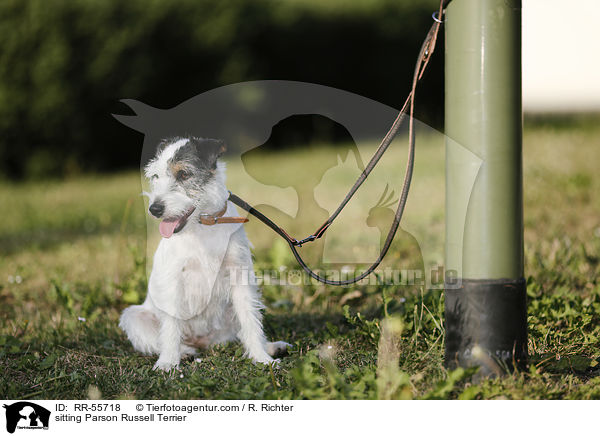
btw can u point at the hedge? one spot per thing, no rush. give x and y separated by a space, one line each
65 64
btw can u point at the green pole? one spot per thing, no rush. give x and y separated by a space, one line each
486 320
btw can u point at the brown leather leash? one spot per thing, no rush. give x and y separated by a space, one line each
425 53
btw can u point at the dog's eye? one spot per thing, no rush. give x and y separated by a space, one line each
182 175
154 177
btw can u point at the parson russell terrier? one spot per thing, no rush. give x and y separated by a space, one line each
197 292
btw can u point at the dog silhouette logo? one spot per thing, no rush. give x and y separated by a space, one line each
26 415
338 130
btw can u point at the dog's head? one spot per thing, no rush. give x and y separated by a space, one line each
185 176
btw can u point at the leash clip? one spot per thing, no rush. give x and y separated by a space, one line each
305 240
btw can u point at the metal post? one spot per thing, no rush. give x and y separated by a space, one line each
486 319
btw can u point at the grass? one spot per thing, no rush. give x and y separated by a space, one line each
73 255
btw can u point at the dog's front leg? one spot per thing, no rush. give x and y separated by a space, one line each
247 305
169 340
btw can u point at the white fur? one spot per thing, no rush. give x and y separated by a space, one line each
191 296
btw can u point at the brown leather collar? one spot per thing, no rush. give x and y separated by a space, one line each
218 218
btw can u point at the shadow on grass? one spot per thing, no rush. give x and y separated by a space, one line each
314 327
578 365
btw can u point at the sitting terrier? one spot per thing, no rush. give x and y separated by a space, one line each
202 289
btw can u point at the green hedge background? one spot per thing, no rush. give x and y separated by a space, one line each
65 64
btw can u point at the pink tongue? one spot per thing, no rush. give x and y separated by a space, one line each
167 228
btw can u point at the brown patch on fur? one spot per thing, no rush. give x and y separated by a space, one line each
175 167
149 317
197 341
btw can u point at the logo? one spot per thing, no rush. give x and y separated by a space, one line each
336 132
26 415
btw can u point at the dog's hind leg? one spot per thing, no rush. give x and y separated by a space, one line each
141 327
277 349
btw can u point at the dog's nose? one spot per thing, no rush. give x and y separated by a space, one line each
157 209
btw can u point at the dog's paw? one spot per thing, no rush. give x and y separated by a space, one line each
165 365
278 348
274 363
187 351
261 357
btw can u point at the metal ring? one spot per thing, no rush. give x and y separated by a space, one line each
435 18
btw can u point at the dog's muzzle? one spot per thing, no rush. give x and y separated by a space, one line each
157 209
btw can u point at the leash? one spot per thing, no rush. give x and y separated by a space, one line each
425 53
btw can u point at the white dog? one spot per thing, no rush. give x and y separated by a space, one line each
201 290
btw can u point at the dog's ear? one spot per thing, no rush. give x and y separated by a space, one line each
208 146
212 149
217 148
221 147
206 150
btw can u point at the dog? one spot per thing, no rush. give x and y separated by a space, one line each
197 292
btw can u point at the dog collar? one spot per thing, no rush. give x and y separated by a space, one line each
218 218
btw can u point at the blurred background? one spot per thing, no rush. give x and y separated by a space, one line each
65 64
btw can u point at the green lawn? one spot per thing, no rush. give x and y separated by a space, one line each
73 255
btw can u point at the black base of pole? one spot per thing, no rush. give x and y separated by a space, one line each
486 326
